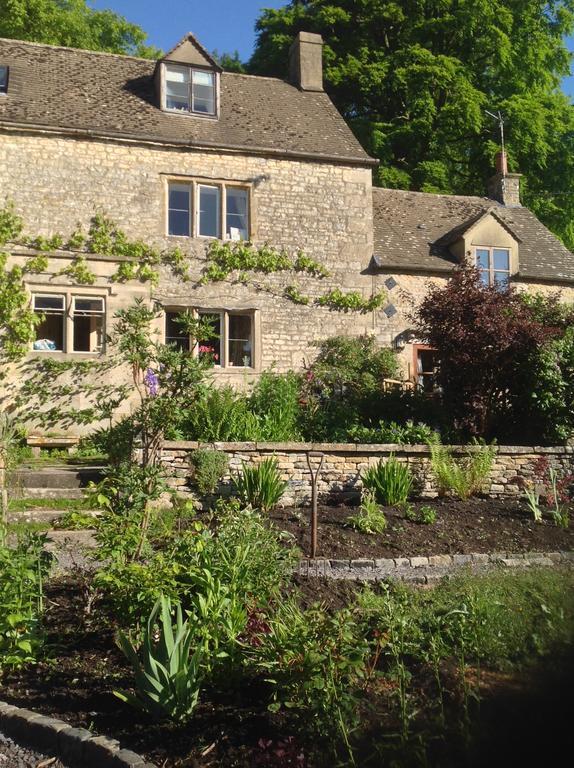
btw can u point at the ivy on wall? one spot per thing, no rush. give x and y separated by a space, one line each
142 262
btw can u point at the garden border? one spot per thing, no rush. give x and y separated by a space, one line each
426 570
513 467
77 747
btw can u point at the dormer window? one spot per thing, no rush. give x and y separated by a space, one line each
493 265
3 79
189 90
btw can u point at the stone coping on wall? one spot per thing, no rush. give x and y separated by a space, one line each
76 747
427 570
360 448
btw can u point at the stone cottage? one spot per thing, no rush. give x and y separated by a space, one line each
180 154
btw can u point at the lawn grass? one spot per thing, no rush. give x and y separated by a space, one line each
64 504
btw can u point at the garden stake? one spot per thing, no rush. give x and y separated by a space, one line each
314 481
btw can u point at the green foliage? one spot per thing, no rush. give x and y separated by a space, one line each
75 520
275 402
294 294
391 432
343 386
168 677
79 271
72 23
352 301
260 485
370 518
208 469
23 570
390 481
40 243
221 414
304 263
533 499
11 224
424 515
414 84
465 477
315 664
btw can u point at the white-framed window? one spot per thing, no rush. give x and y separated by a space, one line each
232 345
214 210
51 330
3 78
187 89
69 323
493 265
88 316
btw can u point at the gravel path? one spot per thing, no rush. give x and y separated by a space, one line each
12 755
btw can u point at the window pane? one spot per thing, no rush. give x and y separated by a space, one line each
3 79
211 347
501 259
179 218
49 303
240 343
209 211
177 88
485 277
501 278
203 92
482 258
174 333
50 331
237 227
88 332
85 305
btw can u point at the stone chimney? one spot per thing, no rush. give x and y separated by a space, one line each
306 62
503 186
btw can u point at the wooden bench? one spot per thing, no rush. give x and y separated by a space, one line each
37 443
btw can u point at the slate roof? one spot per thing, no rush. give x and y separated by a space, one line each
412 231
109 95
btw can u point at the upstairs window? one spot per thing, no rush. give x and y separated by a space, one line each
493 265
190 90
3 79
196 209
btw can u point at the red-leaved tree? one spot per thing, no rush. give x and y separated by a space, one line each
483 337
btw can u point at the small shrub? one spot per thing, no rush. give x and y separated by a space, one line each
261 485
208 469
275 403
427 515
168 677
222 414
370 518
23 571
75 520
464 477
391 481
391 432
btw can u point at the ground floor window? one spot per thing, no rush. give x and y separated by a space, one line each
232 342
69 323
425 365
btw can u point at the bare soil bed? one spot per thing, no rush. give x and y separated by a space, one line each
461 527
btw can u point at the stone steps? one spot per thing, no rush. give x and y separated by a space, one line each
53 482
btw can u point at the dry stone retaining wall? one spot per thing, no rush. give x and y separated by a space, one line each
343 464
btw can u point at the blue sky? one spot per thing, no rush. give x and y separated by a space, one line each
225 25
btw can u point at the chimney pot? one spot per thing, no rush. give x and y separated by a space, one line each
504 187
501 163
306 62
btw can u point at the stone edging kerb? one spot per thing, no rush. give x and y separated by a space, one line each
426 570
77 747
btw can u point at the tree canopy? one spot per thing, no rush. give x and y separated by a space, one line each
414 80
74 24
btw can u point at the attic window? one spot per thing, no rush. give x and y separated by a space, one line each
189 90
493 265
3 79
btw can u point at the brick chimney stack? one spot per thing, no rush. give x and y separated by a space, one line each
306 62
503 186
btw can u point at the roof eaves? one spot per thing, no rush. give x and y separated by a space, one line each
155 140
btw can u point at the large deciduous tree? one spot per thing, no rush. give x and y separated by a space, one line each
414 80
72 23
